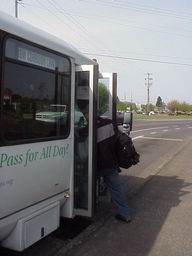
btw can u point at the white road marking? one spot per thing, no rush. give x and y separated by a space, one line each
148 129
165 130
153 138
190 127
138 137
177 128
153 132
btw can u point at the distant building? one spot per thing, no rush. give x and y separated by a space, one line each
139 107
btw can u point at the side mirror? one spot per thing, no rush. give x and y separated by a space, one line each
128 121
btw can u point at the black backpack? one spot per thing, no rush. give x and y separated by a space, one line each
125 151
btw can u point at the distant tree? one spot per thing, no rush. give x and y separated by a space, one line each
151 107
124 106
184 107
133 106
164 105
173 105
159 102
121 106
144 107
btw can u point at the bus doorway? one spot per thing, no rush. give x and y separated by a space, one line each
90 101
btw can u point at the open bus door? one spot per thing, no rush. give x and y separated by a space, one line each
86 84
107 105
87 100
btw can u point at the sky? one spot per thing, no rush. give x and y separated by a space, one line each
129 37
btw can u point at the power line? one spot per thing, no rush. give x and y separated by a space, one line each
86 35
59 9
81 28
137 59
56 16
78 24
32 5
109 19
152 11
147 6
39 17
136 53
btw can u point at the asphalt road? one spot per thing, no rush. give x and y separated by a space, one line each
156 141
163 128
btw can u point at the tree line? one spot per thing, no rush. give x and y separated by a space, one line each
175 106
172 106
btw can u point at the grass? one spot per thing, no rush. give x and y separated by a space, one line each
161 116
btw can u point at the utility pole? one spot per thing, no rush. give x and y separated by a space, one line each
148 79
131 102
125 98
16 7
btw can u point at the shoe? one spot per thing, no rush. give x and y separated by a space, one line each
122 218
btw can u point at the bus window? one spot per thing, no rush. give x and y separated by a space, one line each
36 93
107 94
104 97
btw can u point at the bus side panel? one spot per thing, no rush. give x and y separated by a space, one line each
31 173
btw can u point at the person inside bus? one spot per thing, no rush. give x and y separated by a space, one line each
81 157
108 167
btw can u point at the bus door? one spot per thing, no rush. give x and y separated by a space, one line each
85 120
107 95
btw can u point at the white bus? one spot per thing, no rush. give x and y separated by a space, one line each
47 160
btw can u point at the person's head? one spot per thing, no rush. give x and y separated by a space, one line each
86 114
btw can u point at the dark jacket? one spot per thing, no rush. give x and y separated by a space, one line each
106 156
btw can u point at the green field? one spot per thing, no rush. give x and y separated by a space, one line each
161 116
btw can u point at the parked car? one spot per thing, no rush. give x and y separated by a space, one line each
52 115
59 112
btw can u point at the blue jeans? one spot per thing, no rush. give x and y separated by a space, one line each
117 193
